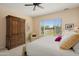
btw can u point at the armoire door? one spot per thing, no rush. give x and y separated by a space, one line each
15 31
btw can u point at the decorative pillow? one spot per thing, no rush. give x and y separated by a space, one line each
76 48
58 38
71 41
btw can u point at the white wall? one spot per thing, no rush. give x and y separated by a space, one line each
70 16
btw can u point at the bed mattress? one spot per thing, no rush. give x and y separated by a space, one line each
46 46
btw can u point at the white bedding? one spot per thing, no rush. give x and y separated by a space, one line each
46 46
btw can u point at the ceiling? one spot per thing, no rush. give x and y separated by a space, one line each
28 10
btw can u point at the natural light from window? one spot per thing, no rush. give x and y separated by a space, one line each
51 26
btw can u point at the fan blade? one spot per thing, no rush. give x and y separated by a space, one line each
28 5
34 8
40 6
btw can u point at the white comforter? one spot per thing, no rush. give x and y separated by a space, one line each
46 46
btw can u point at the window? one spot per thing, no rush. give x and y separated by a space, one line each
51 26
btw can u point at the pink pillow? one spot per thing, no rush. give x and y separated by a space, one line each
58 38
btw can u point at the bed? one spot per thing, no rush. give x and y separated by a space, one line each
46 46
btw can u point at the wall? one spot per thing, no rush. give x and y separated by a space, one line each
67 16
3 14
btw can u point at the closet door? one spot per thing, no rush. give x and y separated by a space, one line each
15 31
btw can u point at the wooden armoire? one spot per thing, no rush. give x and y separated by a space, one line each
15 31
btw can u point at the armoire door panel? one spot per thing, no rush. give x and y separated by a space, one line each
14 27
19 27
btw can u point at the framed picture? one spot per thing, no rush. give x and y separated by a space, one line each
69 26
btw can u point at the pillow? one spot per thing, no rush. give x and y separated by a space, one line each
58 38
71 41
66 36
76 48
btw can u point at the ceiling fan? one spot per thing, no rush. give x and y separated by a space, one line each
35 5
